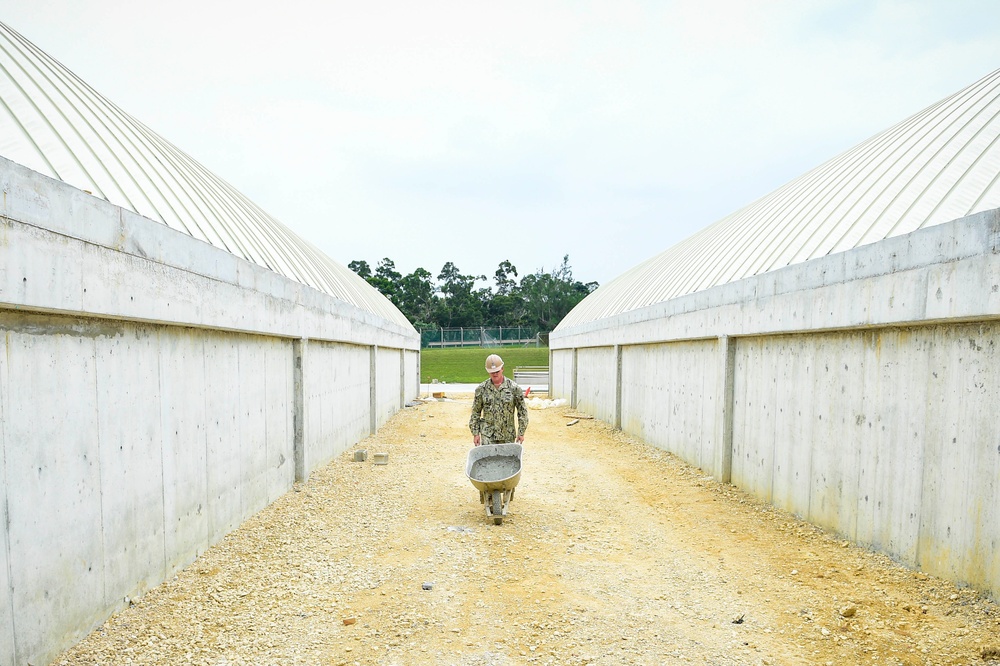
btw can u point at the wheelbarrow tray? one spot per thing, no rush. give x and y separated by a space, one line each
494 470
494 466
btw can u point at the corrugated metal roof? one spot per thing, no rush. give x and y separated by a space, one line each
938 165
54 123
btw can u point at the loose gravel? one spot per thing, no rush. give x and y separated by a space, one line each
614 552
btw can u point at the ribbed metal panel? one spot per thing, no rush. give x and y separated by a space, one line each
54 123
941 164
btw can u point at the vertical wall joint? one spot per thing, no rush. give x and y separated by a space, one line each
727 361
373 392
299 348
618 387
549 380
572 393
402 378
417 378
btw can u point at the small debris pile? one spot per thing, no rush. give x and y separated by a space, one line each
544 403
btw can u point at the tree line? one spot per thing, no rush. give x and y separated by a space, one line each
537 300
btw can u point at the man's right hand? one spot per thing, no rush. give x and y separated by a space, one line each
475 440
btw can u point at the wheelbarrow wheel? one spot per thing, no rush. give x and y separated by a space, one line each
497 507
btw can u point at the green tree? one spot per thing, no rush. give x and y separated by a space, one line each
540 300
386 280
417 298
460 305
361 268
504 277
548 297
504 307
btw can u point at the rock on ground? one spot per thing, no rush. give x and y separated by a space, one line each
613 552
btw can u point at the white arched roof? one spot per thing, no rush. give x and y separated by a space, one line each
54 123
936 166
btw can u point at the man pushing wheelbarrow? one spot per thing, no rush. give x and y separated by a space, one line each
494 463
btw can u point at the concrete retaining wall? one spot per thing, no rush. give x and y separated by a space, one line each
341 375
561 367
881 435
668 395
596 387
389 397
411 374
857 391
155 392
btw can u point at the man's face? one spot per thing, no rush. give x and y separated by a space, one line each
497 376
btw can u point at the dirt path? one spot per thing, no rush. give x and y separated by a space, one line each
613 553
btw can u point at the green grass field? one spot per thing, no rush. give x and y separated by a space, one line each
466 365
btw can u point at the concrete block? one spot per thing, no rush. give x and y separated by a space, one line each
596 382
183 416
224 442
388 384
894 489
670 415
380 458
39 269
337 398
279 387
130 449
54 512
7 655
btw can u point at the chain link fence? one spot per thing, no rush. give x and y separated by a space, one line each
480 336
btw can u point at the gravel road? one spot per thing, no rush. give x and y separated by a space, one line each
614 552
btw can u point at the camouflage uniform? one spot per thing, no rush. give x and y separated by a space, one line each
497 404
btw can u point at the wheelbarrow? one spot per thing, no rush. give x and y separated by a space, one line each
494 470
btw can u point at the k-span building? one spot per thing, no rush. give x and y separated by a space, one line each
833 347
172 357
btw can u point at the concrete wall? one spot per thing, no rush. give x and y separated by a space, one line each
858 391
389 398
562 363
411 369
155 392
129 450
668 395
881 435
596 387
338 399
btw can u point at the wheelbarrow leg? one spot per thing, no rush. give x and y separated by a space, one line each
498 507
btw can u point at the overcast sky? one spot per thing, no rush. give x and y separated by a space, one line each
477 132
